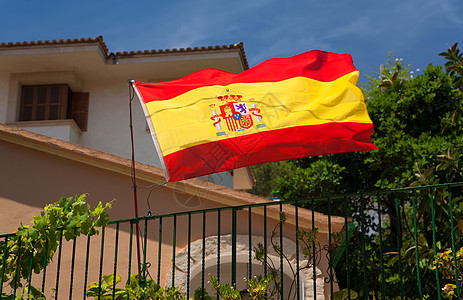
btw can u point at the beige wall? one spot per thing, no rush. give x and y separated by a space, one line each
30 179
33 178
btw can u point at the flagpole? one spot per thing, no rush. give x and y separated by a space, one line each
134 183
153 133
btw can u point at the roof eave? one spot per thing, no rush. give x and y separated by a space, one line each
51 46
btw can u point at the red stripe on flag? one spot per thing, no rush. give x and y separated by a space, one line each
268 146
317 65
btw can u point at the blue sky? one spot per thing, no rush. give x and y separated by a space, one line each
415 30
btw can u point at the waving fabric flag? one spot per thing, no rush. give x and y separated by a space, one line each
284 108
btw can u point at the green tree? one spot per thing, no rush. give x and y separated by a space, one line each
418 125
454 64
408 113
266 175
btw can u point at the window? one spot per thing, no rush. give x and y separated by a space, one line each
43 102
53 102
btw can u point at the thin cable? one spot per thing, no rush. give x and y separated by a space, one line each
155 185
132 170
148 198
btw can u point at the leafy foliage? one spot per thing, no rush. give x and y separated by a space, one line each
451 267
267 174
28 293
225 291
418 121
149 289
258 289
345 294
377 295
33 245
327 175
413 118
454 64
106 289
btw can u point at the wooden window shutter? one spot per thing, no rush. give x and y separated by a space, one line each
27 104
58 94
43 102
78 109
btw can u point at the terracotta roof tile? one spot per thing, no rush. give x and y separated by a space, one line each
99 40
238 46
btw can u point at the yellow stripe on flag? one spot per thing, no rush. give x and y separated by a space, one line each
185 121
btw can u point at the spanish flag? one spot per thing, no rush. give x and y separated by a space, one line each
284 108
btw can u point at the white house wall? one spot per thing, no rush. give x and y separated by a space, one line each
85 69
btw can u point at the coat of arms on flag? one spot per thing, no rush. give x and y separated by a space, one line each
236 114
